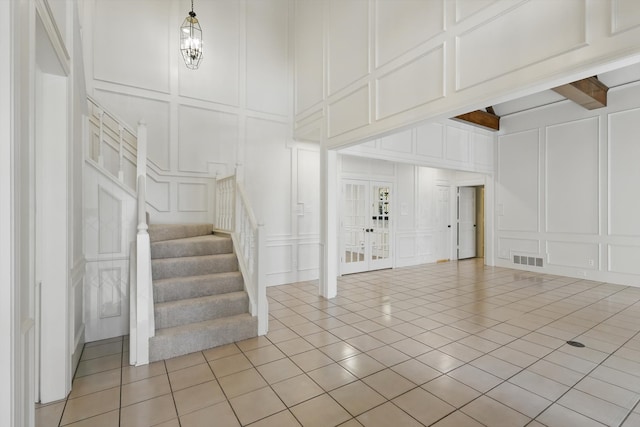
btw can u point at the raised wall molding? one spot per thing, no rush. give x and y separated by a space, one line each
480 58
625 15
110 292
394 96
110 222
350 112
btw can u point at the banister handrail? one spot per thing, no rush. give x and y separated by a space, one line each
112 115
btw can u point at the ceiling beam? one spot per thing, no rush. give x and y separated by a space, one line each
485 119
590 93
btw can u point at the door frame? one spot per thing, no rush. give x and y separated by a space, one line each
486 228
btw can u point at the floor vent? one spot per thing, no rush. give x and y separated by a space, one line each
527 260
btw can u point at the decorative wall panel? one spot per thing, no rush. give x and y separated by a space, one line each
394 95
528 34
308 256
349 112
77 306
193 197
577 255
217 78
482 147
279 258
348 42
153 112
517 188
430 140
624 173
308 192
424 247
405 247
110 292
402 25
625 14
401 142
268 87
205 135
142 59
624 259
158 195
109 223
466 8
457 145
308 53
269 189
507 247
572 192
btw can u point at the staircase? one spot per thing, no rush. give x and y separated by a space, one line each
198 292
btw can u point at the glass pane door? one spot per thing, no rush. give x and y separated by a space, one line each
379 232
366 226
354 224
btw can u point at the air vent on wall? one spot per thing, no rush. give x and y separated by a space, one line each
527 260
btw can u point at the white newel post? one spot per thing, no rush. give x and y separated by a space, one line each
144 300
263 304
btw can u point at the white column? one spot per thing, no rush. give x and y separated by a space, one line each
52 140
328 286
8 298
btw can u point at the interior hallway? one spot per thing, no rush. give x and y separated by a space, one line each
452 344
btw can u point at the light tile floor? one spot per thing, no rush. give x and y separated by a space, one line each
454 344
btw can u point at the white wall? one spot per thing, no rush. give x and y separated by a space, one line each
234 113
38 37
566 191
417 161
360 73
414 204
446 144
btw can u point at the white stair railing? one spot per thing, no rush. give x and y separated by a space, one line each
225 204
235 216
112 145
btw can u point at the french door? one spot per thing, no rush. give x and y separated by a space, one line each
366 226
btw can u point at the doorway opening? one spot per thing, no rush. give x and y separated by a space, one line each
470 219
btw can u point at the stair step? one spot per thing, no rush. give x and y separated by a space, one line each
176 288
180 340
191 246
166 268
195 310
161 232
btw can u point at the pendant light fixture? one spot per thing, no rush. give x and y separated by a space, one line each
191 40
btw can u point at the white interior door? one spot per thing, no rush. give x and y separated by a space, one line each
366 226
466 222
354 225
443 224
379 234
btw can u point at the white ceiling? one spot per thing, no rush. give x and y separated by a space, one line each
619 77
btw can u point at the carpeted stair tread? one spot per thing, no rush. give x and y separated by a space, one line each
191 246
180 340
176 288
194 310
165 268
161 232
